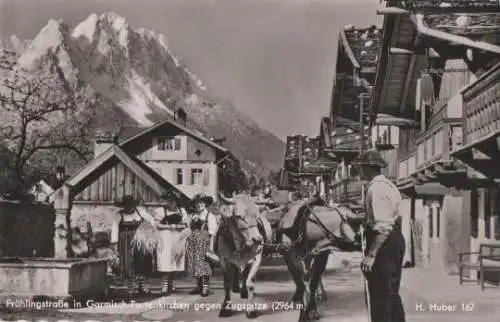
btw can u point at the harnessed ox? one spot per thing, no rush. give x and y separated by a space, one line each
239 247
307 234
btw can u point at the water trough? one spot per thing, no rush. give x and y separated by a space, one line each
51 278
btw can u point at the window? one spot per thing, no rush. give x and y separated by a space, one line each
178 176
168 144
200 177
197 176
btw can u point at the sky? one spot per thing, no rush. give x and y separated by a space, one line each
273 59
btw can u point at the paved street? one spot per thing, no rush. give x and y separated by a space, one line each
345 301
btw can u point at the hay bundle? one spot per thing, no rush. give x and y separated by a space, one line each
114 260
146 238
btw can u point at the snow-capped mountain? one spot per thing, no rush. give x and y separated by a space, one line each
136 79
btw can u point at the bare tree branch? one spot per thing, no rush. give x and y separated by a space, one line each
41 115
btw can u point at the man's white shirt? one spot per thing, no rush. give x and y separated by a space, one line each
382 204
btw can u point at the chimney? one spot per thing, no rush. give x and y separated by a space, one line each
180 116
103 141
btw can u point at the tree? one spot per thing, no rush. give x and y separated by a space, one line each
40 114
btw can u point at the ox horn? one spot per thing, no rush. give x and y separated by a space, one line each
226 199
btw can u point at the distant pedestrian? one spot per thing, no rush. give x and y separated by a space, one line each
383 259
173 230
201 242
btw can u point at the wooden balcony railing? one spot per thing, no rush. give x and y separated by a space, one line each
481 108
431 146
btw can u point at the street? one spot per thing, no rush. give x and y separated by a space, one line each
345 303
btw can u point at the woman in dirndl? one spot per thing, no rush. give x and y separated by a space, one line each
135 266
173 231
201 242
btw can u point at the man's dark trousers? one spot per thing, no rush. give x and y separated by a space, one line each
385 278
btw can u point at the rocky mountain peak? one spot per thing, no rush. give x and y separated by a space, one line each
134 73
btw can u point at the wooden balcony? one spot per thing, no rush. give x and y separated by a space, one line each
428 166
481 127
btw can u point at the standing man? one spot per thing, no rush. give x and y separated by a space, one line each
385 242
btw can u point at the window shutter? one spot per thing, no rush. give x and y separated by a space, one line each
160 144
206 177
180 171
177 142
174 176
188 176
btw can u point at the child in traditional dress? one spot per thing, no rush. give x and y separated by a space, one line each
204 225
134 265
173 230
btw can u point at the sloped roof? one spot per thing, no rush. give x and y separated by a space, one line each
479 23
115 154
310 149
344 138
131 139
302 146
318 166
361 45
292 147
454 4
128 132
468 24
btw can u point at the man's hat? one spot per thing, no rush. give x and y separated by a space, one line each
127 201
371 157
207 200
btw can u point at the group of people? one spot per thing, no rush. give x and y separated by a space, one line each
184 241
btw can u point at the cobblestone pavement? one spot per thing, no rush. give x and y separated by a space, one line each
423 300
